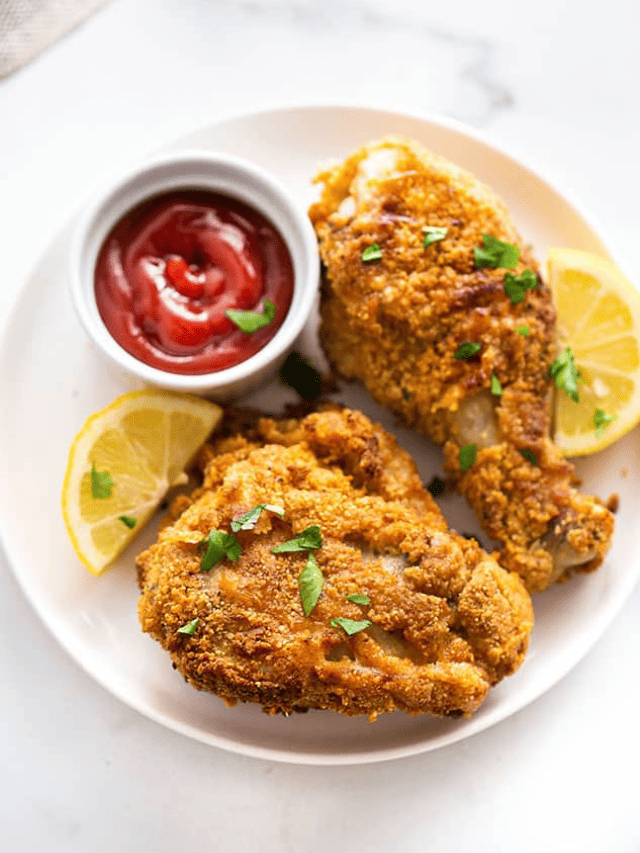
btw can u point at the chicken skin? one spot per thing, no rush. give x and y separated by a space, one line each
434 336
409 616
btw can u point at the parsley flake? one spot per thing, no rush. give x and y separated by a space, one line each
309 540
565 373
350 626
467 456
372 253
523 330
218 545
436 487
496 387
601 421
466 350
432 234
310 584
529 455
515 286
250 321
249 520
128 521
359 598
298 373
190 628
496 253
101 484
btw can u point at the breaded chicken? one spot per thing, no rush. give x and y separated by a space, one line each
439 622
396 323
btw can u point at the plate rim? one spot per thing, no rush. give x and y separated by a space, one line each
568 659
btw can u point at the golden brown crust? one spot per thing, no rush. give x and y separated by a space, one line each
447 621
396 323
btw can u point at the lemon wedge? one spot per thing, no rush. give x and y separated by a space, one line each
121 464
599 319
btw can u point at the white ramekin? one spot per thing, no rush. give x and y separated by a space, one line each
221 173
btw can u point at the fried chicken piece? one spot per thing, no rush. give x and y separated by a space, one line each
446 621
396 323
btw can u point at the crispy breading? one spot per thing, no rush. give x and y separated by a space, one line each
447 621
396 323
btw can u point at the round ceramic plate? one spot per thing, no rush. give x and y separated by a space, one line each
55 379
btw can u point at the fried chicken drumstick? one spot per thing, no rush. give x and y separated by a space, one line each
440 621
397 322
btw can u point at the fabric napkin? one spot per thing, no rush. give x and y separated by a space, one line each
29 26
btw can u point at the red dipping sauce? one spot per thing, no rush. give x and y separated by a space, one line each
170 269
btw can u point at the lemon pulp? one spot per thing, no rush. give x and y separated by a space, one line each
599 319
143 441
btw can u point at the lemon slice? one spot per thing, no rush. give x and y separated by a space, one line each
121 464
599 319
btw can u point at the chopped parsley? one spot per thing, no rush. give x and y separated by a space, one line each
218 545
466 350
249 520
350 626
515 286
432 234
310 584
523 330
190 628
436 487
565 373
496 387
101 484
250 321
529 455
298 373
467 456
128 521
601 421
372 253
359 598
309 540
496 253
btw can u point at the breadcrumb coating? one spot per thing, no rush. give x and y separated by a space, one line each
446 621
396 323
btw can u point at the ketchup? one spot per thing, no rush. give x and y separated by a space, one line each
170 269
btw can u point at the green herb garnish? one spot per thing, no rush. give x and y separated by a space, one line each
309 540
436 487
101 484
250 321
350 626
529 455
218 545
372 253
496 253
601 421
359 598
523 330
496 387
249 520
515 286
298 373
190 628
128 521
565 373
467 456
310 584
466 350
432 234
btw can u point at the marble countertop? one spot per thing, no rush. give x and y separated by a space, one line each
556 84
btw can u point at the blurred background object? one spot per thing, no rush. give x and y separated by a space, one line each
27 27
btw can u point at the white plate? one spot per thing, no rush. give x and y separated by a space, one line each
51 379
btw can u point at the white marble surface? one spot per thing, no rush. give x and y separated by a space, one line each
555 83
